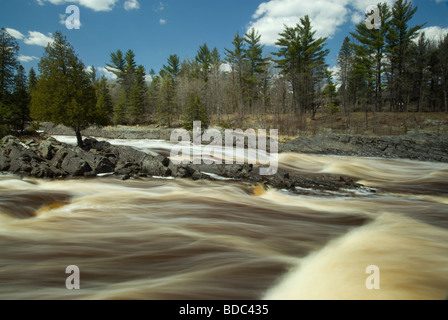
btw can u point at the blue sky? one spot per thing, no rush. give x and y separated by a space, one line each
155 29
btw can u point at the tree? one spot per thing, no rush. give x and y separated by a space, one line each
195 111
302 60
64 92
137 95
9 49
371 51
173 68
104 107
21 100
120 108
398 41
236 59
443 67
167 104
345 61
203 58
117 65
257 66
32 80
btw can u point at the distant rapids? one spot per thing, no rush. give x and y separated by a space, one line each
178 239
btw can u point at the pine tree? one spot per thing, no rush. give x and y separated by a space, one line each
345 61
399 40
117 66
195 111
9 49
173 68
203 58
237 60
64 92
32 80
104 108
21 100
257 66
167 104
302 60
120 108
371 52
443 67
137 96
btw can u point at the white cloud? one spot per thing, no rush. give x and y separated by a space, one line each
440 1
162 21
131 5
225 67
38 39
109 75
25 59
95 5
326 16
433 33
14 33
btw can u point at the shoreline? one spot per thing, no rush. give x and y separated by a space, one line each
420 146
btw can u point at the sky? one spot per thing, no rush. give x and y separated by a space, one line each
156 29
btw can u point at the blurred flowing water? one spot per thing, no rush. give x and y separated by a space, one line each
179 239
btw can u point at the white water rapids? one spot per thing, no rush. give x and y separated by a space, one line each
180 239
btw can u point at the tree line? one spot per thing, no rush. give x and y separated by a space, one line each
393 69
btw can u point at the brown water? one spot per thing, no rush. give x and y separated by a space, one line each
179 239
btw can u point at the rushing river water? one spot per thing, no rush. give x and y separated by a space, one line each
179 239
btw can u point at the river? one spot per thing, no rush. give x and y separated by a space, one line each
157 239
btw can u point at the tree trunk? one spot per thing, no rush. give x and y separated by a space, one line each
79 137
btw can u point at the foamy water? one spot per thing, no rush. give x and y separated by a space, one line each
179 239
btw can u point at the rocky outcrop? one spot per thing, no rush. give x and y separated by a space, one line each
53 159
415 146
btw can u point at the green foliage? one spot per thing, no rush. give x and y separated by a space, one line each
137 96
64 93
120 109
195 111
9 50
173 68
167 105
301 58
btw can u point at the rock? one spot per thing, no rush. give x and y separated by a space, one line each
46 150
74 165
157 166
5 162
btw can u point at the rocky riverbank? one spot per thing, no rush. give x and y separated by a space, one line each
52 159
422 146
415 146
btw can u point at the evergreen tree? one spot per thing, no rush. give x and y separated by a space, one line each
302 60
137 96
154 93
120 108
167 104
443 67
371 53
9 49
104 106
203 59
345 61
21 100
237 60
64 92
195 111
257 66
173 68
32 80
117 66
399 40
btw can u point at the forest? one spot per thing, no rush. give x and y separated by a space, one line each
385 77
